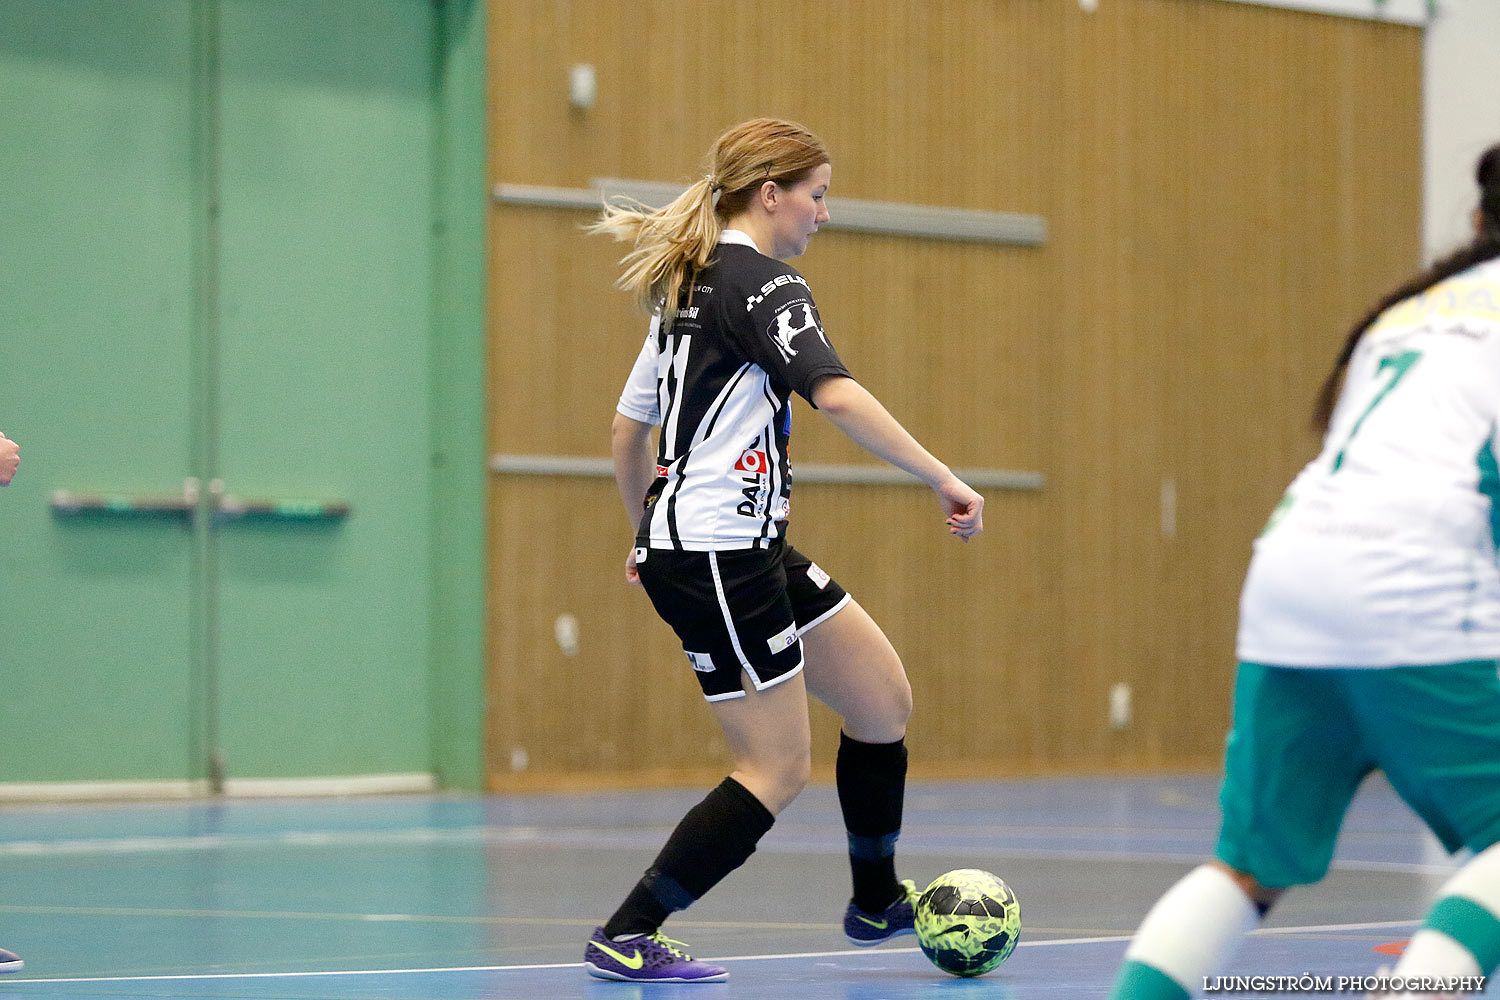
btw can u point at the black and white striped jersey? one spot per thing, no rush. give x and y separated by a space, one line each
747 335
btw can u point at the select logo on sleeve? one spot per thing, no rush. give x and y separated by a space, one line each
784 639
816 574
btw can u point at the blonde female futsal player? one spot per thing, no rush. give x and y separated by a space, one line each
735 332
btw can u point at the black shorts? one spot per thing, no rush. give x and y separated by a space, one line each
739 610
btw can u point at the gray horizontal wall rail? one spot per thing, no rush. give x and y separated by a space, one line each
924 221
858 475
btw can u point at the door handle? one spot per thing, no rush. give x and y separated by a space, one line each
223 507
68 504
227 508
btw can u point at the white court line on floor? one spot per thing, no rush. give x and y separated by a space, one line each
1051 943
631 838
1379 925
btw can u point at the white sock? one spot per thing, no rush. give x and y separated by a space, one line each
1462 930
1433 953
1195 929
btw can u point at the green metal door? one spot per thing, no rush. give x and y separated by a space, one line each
96 319
325 297
218 230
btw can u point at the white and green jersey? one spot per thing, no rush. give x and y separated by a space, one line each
1383 551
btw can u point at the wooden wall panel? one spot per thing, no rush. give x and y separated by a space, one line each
1240 238
1225 185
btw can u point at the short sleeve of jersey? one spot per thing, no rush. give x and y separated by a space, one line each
638 400
786 336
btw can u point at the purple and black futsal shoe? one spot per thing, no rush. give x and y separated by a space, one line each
866 929
10 961
649 958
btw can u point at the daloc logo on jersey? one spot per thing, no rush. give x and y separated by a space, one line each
791 322
753 462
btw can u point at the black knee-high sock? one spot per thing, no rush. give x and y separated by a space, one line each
872 786
715 837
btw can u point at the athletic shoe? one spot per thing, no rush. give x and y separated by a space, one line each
865 929
649 958
10 961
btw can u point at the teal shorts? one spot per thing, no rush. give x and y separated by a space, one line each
1304 738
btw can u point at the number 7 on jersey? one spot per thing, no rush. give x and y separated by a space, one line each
1400 364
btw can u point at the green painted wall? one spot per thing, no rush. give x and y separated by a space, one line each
231 231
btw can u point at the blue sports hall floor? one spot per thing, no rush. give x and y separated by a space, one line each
492 897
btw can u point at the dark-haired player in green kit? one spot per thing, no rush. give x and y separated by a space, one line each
1369 638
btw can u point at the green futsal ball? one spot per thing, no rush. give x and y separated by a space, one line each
968 922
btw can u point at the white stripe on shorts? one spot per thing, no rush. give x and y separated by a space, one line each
804 629
734 638
777 680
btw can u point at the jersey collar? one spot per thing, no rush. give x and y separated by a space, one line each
738 236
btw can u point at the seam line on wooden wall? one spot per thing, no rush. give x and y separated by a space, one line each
932 222
854 475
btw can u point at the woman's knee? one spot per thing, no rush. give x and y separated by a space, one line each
780 778
795 770
881 715
901 701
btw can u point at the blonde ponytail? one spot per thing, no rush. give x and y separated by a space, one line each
671 244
